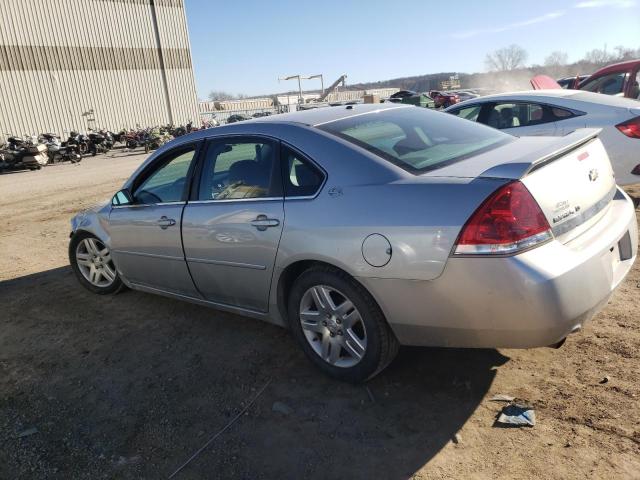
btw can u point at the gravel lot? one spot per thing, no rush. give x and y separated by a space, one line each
130 386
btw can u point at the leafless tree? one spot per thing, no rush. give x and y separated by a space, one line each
624 53
219 95
508 58
556 59
599 56
216 95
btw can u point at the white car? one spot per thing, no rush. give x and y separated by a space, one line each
559 112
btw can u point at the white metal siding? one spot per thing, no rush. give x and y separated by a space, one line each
61 58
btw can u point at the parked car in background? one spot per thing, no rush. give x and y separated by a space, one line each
237 117
464 95
620 79
444 99
572 83
559 112
419 100
398 96
368 226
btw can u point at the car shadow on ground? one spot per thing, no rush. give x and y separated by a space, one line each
129 386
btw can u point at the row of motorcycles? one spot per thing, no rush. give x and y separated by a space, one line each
33 152
154 137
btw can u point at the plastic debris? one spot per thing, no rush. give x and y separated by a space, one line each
457 439
27 432
502 398
282 408
518 414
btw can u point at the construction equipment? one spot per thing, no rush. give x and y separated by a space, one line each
332 87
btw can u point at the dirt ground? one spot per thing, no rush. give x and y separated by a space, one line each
130 386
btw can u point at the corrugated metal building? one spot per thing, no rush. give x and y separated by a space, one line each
78 64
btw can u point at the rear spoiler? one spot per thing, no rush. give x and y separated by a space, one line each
544 82
534 160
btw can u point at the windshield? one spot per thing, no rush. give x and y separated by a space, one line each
416 139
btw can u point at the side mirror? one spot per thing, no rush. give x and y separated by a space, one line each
123 197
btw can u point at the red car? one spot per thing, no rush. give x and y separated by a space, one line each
620 79
444 99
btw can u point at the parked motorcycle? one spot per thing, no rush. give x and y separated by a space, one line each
97 143
20 153
57 151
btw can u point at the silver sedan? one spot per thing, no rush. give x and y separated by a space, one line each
361 228
558 112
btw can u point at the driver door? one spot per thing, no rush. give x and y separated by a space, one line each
145 235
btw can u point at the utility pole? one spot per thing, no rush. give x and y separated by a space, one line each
292 77
319 75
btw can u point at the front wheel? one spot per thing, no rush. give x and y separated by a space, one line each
339 325
91 261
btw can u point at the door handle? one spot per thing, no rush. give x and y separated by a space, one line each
165 222
262 222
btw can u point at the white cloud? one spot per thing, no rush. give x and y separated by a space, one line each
606 3
510 26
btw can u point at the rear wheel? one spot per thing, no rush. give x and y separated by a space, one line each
91 261
339 325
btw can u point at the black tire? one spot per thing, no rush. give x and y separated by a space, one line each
114 288
382 345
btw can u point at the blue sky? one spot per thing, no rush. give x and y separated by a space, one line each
243 46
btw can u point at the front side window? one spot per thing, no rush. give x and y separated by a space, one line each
612 84
239 169
416 139
166 183
469 113
301 177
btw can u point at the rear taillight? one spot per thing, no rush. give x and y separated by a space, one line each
509 221
631 128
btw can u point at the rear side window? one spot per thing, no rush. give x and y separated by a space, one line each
417 139
513 115
300 177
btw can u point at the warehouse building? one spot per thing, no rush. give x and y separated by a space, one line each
79 64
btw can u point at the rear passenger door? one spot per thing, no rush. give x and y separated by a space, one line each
233 221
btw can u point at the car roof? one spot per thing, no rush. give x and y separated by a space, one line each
304 118
616 67
318 116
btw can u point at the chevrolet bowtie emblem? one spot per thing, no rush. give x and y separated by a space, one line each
593 174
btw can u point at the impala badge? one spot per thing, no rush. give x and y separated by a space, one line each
593 174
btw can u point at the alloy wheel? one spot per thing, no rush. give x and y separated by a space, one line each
333 326
95 263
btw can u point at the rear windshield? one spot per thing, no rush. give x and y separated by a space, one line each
417 139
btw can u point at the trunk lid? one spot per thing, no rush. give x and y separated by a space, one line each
570 177
544 82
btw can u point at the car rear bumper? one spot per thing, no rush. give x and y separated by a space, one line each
528 300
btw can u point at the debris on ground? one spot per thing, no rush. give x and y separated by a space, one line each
457 438
371 397
27 432
502 398
518 414
282 408
605 379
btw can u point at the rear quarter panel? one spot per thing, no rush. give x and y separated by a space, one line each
420 218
